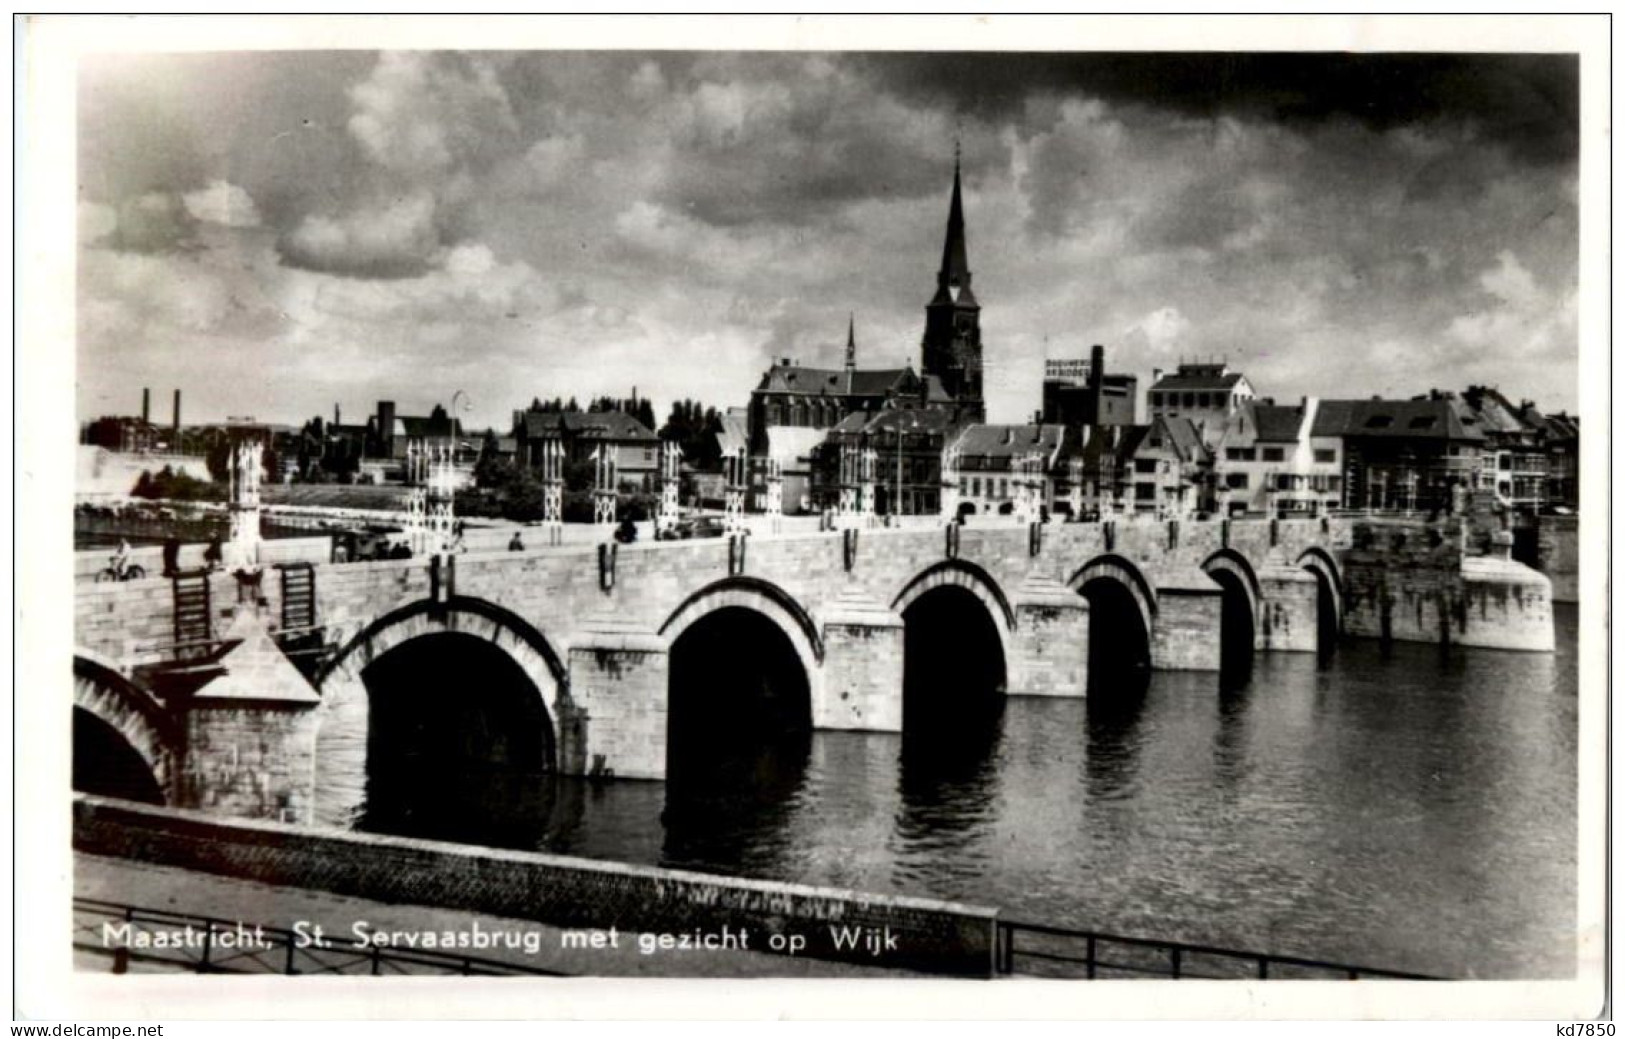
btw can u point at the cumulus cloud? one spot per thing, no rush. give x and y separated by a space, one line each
540 223
396 239
222 203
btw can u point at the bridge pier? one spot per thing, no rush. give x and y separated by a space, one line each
1289 613
860 686
1187 633
250 735
1049 653
618 680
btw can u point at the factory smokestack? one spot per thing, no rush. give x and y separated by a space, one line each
146 405
177 415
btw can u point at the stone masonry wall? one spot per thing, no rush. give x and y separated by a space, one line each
931 936
249 761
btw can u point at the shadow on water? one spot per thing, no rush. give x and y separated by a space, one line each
1115 713
953 714
739 736
459 745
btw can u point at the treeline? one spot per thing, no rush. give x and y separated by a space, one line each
694 428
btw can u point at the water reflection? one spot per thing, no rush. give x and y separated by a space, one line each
1392 805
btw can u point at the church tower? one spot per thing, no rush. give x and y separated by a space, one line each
952 347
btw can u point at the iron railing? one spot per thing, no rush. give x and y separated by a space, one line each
211 945
1059 952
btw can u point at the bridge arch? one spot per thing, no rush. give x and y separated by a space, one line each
973 579
116 706
1113 567
744 660
1329 599
1122 617
345 717
1241 609
763 597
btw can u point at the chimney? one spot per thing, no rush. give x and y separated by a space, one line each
146 406
177 416
1009 436
1156 376
335 413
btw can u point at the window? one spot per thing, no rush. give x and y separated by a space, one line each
1145 492
1004 488
1504 462
1156 400
1285 481
1423 422
1201 400
1153 441
976 486
1326 455
1274 454
1236 481
1239 454
1145 465
1379 421
1190 400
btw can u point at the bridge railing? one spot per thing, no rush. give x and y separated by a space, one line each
1057 952
211 945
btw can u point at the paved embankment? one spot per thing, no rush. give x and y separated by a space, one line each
586 895
189 892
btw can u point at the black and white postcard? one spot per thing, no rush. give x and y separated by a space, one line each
839 501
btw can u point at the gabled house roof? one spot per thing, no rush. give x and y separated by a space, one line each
589 425
1433 418
1199 377
1275 422
998 441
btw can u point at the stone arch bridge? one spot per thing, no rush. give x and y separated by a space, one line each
593 635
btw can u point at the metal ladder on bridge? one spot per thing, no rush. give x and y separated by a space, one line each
298 596
193 627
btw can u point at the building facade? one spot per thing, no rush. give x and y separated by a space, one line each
1205 393
1268 462
1082 393
1406 455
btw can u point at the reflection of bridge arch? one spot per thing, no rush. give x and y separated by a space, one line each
759 596
344 718
972 578
129 710
1113 567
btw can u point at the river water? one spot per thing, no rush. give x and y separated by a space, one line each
1404 808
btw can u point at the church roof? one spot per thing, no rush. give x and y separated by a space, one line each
836 382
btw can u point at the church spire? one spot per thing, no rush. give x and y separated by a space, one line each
851 342
953 280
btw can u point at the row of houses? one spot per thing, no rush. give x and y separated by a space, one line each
1212 446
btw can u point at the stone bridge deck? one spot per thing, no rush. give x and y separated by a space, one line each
592 628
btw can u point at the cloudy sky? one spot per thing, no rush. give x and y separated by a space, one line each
278 232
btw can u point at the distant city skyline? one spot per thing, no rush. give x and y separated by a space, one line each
277 232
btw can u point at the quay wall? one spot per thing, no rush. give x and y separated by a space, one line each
930 936
1560 556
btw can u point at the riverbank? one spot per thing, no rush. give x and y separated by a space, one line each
151 886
